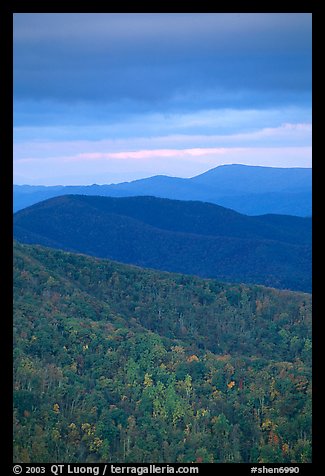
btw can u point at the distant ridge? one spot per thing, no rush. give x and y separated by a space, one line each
247 189
181 236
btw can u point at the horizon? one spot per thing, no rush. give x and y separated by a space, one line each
111 98
157 175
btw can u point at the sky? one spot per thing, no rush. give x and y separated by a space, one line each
112 97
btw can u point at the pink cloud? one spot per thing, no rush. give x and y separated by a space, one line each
150 154
95 167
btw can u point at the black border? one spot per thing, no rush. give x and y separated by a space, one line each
6 175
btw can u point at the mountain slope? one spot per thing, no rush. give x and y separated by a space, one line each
246 189
113 363
188 237
255 179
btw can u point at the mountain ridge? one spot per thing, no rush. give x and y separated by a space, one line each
246 189
181 236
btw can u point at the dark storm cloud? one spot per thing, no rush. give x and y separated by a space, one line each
106 97
169 61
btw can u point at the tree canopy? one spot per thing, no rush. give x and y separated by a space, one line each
119 364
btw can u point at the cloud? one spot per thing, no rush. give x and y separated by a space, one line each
149 146
123 96
183 155
46 122
105 168
155 60
151 154
276 30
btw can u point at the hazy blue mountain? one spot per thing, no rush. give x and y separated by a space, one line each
254 179
246 189
188 237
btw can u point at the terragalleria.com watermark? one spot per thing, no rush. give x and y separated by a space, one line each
57 469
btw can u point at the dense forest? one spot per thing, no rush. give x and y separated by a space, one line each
172 235
113 363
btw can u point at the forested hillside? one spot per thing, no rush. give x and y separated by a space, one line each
115 363
172 235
